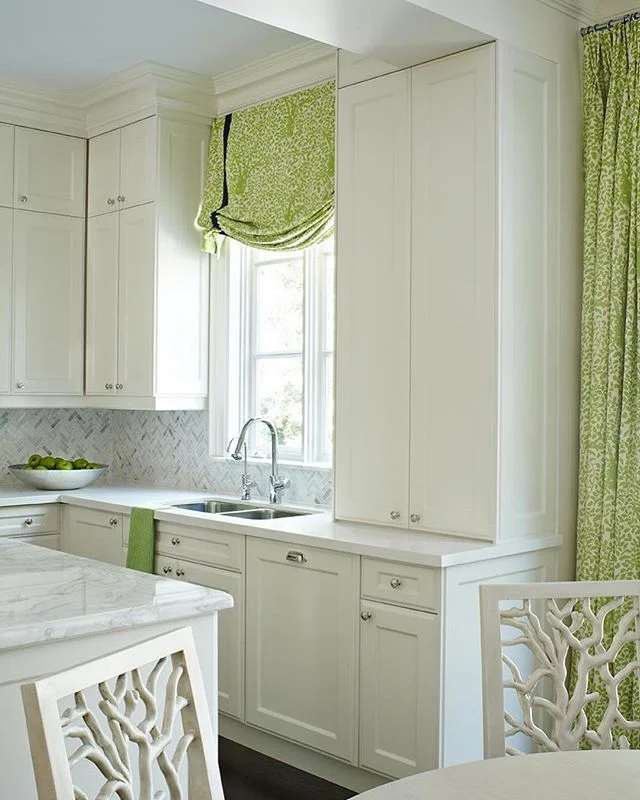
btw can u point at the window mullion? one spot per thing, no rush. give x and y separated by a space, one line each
312 375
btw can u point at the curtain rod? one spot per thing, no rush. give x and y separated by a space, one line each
603 26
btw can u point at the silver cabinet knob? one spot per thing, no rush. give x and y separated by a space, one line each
365 615
121 198
119 386
395 515
415 518
175 540
113 521
23 198
179 573
20 385
108 386
110 201
395 583
28 521
167 570
296 557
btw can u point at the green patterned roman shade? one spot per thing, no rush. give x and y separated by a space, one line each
270 174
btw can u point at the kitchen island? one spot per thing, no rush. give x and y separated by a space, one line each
59 610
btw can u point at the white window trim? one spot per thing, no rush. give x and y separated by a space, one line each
221 415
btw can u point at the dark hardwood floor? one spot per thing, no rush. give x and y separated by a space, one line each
247 775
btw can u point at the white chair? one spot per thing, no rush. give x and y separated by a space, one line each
127 733
528 644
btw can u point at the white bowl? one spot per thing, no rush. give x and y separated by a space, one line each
57 479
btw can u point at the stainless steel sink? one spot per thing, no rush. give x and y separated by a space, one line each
264 513
214 506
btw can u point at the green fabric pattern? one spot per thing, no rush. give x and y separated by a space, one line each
280 173
608 529
141 540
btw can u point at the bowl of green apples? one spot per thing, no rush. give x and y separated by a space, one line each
57 473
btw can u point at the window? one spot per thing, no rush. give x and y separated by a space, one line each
279 343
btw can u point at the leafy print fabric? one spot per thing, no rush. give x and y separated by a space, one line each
608 532
280 173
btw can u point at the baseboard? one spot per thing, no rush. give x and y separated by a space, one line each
330 769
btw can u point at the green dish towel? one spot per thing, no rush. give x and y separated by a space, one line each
141 540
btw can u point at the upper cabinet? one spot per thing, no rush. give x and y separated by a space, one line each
446 351
7 137
49 172
122 168
147 277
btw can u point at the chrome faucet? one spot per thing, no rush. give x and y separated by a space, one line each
247 482
276 483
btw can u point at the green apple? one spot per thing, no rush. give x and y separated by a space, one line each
34 460
40 466
27 467
65 465
48 462
80 463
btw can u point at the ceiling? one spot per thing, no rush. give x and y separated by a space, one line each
75 44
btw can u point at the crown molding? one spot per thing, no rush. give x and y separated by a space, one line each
266 78
51 110
583 11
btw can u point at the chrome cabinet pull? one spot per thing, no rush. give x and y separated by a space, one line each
175 540
110 201
108 386
395 583
166 570
395 515
296 557
23 198
365 615
179 573
119 386
415 518
28 521
20 385
121 198
113 521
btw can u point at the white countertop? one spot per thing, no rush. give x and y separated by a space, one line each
317 529
46 595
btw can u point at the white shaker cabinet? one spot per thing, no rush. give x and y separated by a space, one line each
301 646
48 300
122 167
92 533
373 241
447 330
6 164
50 172
6 248
147 277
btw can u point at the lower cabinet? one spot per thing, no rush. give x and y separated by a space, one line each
35 524
93 534
301 644
399 658
230 630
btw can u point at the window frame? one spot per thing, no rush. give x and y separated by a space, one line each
232 391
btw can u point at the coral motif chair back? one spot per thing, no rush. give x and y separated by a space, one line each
560 666
133 725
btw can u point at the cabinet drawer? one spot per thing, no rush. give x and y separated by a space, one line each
17 520
403 584
204 545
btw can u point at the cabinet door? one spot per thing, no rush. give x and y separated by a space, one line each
301 644
399 719
454 284
136 301
102 304
6 165
92 534
50 172
231 632
6 248
104 173
48 303
372 295
138 159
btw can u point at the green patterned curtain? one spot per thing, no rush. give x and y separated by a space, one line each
608 535
270 175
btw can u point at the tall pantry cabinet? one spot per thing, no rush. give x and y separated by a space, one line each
147 277
42 209
446 351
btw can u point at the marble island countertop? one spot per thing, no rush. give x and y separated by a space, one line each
47 595
316 528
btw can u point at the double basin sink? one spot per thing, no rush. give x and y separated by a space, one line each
240 510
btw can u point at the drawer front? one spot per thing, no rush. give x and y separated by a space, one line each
204 545
403 584
50 540
28 520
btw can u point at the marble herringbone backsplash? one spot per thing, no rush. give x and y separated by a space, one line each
165 448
